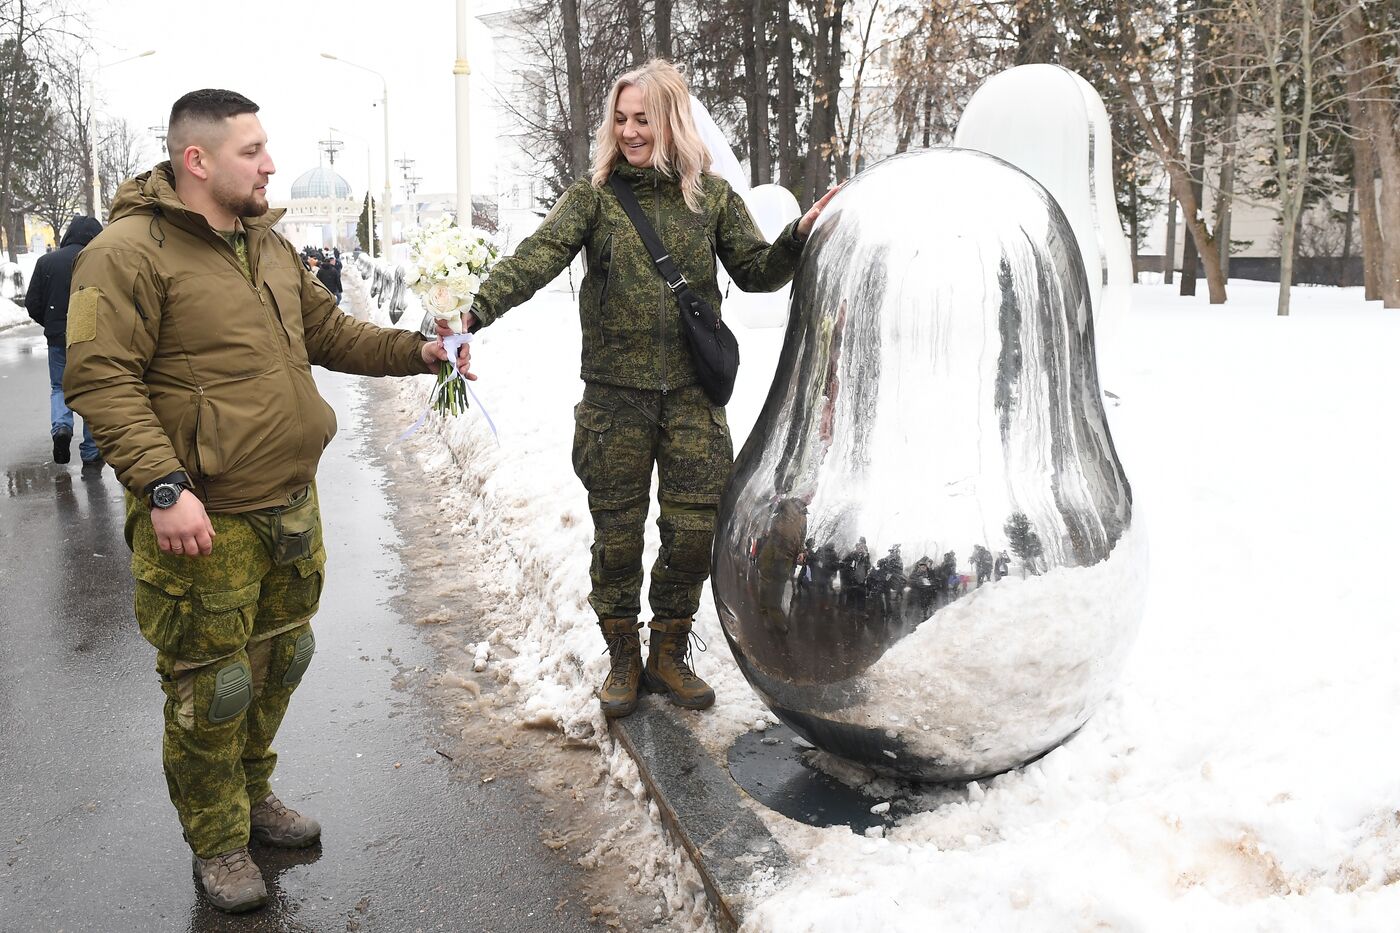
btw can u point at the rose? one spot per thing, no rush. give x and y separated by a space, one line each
411 276
442 302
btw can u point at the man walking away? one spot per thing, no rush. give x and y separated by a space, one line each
47 304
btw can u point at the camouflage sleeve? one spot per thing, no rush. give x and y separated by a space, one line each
540 256
753 263
114 315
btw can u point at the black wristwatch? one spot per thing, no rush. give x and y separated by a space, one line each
165 492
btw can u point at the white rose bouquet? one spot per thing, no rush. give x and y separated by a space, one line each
447 265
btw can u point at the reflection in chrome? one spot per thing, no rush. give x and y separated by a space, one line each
926 561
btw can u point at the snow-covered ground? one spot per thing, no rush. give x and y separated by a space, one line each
11 314
1245 773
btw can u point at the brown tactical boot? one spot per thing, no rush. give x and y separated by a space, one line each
619 694
668 669
273 823
231 881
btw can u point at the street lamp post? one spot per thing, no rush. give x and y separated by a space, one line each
386 211
461 72
96 204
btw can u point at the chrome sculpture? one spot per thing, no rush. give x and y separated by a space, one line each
926 560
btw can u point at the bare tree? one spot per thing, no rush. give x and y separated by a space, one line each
122 153
828 21
1134 62
578 108
1280 35
1372 103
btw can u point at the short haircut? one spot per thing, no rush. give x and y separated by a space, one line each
203 108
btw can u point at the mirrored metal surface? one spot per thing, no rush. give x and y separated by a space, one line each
926 560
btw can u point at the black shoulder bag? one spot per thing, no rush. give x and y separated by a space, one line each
713 348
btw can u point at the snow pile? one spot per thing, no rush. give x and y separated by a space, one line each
11 314
1243 773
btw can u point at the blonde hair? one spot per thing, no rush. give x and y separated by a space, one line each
677 150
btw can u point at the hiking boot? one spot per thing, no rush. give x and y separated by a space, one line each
231 881
273 823
618 697
668 668
62 449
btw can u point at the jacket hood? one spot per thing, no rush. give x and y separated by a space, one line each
153 192
81 231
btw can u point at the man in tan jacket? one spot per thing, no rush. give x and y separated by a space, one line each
192 331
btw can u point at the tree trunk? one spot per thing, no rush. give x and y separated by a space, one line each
1372 114
578 108
663 29
788 166
1200 89
1341 276
1372 247
1292 182
756 100
1178 77
825 88
636 41
1133 226
1224 205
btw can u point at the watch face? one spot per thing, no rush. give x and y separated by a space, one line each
163 497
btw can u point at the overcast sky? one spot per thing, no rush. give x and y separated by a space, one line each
271 52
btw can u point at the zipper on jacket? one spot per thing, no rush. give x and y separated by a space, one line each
603 298
198 460
661 312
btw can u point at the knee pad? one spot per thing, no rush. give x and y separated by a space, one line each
301 659
619 550
233 691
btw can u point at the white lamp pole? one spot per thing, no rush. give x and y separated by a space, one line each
461 81
386 211
96 204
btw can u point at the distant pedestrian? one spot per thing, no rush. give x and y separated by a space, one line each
47 304
329 275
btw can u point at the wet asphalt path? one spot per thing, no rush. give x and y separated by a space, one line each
88 838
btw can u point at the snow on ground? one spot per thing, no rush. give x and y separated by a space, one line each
11 314
1243 776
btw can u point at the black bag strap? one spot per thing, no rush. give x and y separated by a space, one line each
675 281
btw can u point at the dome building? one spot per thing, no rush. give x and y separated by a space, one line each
322 210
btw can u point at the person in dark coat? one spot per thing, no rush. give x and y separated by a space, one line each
329 276
47 304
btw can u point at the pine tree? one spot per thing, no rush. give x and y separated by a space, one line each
363 231
1025 543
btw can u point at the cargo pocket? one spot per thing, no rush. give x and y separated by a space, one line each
221 623
304 590
591 427
162 604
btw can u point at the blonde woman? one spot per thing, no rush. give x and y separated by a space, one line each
642 405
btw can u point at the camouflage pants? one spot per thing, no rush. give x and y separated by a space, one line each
233 636
619 435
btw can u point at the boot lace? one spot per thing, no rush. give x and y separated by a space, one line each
625 648
681 652
234 862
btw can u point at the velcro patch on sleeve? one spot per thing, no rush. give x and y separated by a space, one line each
82 314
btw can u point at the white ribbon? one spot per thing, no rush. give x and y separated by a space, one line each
453 345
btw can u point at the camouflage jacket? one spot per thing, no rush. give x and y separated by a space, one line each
631 323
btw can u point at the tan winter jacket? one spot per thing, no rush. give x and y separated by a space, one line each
178 361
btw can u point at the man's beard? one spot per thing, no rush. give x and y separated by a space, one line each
240 203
